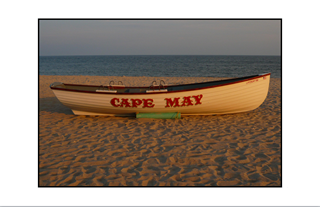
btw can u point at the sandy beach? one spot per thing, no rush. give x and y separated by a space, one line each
223 150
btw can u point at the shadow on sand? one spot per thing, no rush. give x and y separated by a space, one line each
53 105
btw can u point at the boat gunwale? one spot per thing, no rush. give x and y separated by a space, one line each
243 79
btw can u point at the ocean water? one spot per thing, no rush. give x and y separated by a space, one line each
161 65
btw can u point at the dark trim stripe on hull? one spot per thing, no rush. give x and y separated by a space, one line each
171 88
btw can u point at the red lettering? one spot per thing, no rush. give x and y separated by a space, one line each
125 103
113 102
198 99
252 81
136 102
171 103
187 101
147 103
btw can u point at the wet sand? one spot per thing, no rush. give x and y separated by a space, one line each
224 150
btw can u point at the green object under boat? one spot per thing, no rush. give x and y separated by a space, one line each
173 115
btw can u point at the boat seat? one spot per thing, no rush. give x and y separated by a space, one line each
107 91
157 91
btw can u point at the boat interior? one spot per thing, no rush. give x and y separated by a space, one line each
153 88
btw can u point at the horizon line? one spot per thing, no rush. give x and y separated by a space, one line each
155 55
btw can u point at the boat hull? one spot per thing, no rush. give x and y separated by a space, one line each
235 97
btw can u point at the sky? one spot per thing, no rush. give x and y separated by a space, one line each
159 37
